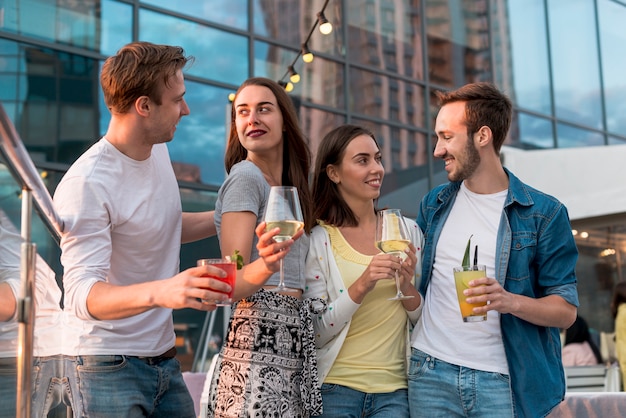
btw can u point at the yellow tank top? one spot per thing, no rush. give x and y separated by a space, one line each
372 358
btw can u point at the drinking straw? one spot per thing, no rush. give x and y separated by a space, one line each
475 257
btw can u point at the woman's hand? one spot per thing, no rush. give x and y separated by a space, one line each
382 267
271 251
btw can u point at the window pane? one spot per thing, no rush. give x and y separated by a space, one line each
231 13
59 113
576 75
386 36
401 148
116 26
534 132
568 137
530 83
101 26
198 147
317 123
612 40
616 141
288 24
387 98
323 83
207 45
458 42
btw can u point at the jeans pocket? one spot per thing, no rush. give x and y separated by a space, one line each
101 364
328 388
503 377
417 365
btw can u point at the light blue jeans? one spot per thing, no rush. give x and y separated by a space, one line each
123 386
440 389
8 387
50 386
343 402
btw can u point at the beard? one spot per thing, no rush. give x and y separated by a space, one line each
467 165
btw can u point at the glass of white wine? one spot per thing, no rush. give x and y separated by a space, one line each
392 237
283 211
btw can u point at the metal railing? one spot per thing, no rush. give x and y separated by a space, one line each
25 173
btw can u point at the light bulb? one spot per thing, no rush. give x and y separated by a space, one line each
307 55
293 75
325 26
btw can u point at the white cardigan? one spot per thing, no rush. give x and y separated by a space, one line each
324 281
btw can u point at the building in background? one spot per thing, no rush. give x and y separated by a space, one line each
560 61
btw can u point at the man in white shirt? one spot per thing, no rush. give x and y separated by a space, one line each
124 225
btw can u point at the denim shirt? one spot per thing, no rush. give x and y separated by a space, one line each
535 257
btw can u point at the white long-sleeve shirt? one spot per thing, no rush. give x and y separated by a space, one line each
123 225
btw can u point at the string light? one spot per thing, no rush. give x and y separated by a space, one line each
287 85
305 52
307 55
325 26
293 75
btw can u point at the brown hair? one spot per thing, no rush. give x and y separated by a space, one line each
139 69
330 206
619 297
485 105
296 154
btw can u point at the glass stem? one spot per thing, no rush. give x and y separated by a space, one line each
399 292
281 283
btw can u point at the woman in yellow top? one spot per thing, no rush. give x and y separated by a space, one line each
361 336
618 309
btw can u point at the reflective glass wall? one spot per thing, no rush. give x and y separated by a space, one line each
560 61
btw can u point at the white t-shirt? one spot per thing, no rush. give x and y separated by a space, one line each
440 330
9 273
123 225
48 314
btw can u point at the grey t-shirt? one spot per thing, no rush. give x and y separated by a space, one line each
246 190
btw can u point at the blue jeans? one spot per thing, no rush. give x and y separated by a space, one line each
342 402
50 386
440 389
8 387
123 386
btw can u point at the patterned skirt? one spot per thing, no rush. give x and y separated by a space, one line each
267 366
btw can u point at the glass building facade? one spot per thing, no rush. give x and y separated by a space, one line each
560 61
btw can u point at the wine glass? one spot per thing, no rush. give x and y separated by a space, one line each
392 237
283 211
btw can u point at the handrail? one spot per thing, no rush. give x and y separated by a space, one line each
23 170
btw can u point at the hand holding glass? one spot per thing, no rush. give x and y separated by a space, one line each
283 211
462 276
392 237
230 267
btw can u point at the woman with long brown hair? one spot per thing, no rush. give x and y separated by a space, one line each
362 337
267 364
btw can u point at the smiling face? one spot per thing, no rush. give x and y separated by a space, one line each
164 117
258 120
457 150
360 174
